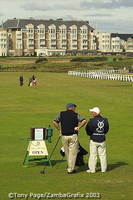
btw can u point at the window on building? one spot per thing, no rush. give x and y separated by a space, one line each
53 42
31 41
85 41
19 35
74 31
74 46
42 35
52 30
42 30
84 36
31 30
64 41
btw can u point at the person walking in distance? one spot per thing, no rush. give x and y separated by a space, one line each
21 80
68 123
96 128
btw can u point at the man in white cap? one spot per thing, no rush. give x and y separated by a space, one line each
68 123
96 128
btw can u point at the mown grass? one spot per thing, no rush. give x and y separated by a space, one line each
24 107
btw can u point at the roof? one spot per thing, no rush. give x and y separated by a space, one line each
122 36
21 23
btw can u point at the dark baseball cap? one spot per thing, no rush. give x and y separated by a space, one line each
70 105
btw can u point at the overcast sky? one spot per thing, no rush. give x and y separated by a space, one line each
103 15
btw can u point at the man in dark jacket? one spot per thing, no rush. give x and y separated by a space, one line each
21 80
68 123
96 128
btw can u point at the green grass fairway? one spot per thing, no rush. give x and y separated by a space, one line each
26 107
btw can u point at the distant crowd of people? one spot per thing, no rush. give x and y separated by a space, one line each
32 81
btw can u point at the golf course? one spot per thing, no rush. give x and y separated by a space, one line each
24 107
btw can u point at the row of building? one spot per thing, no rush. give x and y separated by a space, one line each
33 37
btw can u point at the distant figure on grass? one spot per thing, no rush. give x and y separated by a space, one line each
32 81
21 80
96 128
68 123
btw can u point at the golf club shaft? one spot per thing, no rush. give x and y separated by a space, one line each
53 150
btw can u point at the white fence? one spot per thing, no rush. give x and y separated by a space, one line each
103 74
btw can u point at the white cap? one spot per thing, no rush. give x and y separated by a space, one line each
95 109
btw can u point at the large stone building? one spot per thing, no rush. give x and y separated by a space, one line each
115 42
3 42
27 37
33 37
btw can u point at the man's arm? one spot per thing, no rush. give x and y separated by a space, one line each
56 123
83 122
88 128
106 128
57 126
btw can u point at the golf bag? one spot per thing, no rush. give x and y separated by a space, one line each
79 159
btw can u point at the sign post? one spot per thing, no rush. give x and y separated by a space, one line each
37 149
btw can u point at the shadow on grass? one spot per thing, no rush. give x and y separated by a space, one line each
82 168
116 165
110 166
55 162
42 163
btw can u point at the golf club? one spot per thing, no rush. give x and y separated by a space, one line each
43 171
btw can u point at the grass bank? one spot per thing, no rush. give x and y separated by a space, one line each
63 64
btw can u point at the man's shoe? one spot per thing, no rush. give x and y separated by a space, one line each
89 171
72 172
